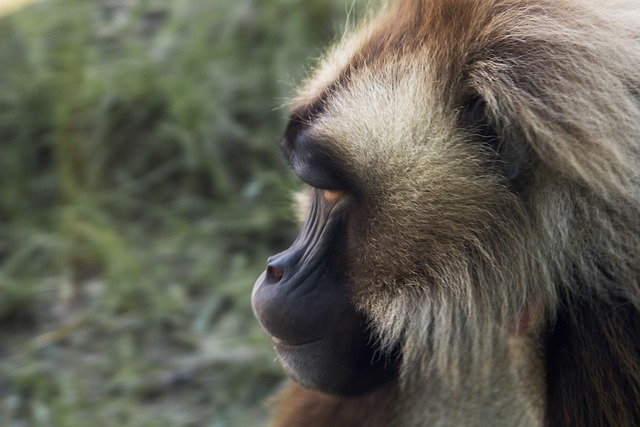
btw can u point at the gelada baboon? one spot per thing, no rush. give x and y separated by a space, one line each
471 253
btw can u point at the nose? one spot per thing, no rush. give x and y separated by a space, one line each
274 274
278 266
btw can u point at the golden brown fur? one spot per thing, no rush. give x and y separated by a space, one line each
445 257
300 407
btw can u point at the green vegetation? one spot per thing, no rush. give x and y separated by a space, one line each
141 190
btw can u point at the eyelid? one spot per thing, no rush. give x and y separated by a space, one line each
315 161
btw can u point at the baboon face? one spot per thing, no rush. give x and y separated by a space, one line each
458 158
411 195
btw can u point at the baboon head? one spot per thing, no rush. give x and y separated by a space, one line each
472 170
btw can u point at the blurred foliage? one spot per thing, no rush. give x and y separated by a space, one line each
141 190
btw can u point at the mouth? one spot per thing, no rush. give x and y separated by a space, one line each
287 345
321 365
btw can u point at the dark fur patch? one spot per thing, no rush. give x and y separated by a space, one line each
592 355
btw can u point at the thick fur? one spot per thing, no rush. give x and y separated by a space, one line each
428 402
300 407
446 256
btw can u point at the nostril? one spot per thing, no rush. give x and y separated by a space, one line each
274 274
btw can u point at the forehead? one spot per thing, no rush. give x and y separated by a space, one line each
437 33
390 84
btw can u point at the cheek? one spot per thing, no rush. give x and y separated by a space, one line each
375 255
422 237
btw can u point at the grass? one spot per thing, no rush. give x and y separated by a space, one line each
141 190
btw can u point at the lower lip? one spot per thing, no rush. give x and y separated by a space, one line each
284 344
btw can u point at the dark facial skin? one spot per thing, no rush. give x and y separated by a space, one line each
302 299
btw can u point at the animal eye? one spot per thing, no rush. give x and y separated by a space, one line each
332 196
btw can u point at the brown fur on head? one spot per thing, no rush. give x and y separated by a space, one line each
449 247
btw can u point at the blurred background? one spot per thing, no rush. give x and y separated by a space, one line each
141 191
